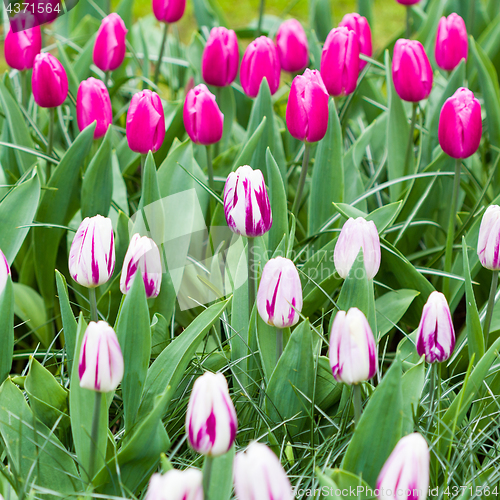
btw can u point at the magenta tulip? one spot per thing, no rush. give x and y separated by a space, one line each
49 81
307 108
145 122
411 71
221 57
293 47
169 11
452 44
360 25
93 104
21 48
260 61
488 245
203 119
460 124
340 62
408 2
109 48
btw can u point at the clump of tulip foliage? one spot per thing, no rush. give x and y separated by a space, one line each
251 263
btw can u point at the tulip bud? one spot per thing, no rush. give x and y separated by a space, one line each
411 71
93 104
460 124
435 334
406 471
203 119
145 122
279 298
211 422
258 474
169 11
357 233
246 203
92 253
293 47
4 271
452 43
109 47
143 255
360 25
488 244
260 61
101 361
353 352
21 48
340 61
307 108
176 485
49 81
221 57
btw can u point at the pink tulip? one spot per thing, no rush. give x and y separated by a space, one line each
340 62
260 61
460 124
307 108
452 43
49 81
411 71
221 57
488 245
169 11
21 48
93 104
408 2
293 47
109 47
360 25
203 119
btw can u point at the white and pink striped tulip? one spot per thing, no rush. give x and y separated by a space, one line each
92 253
4 271
176 485
101 361
142 255
259 474
211 421
488 245
405 475
246 203
353 352
279 298
435 334
357 233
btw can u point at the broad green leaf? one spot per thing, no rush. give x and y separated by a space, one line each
6 328
266 339
328 390
320 17
227 103
328 487
390 309
412 385
245 155
278 201
345 481
221 477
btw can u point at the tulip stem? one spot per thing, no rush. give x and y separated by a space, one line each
279 343
211 183
24 88
356 400
94 315
489 310
261 17
302 180
409 146
50 143
107 77
408 22
451 230
207 472
251 275
94 433
160 56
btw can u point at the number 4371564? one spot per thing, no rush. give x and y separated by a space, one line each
40 8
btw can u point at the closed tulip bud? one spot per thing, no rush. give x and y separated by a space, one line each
143 256
169 11
357 234
488 245
405 474
411 71
353 352
293 47
203 119
176 485
101 361
221 57
109 47
211 422
307 108
460 124
21 48
260 61
452 43
4 271
279 298
49 81
246 203
340 61
92 253
258 474
360 25
435 334
93 104
145 122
